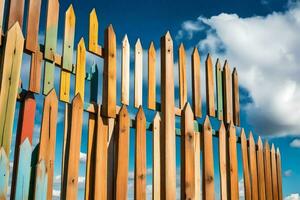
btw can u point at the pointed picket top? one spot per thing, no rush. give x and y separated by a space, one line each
243 135
80 68
110 30
259 143
232 129
140 114
152 48
208 60
222 128
195 54
77 101
273 149
51 98
125 70
70 15
138 74
157 118
251 140
267 146
151 77
278 151
4 173
210 94
187 109
207 124
138 45
182 75
234 71
123 112
93 31
218 65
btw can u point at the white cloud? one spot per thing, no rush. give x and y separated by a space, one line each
293 197
265 50
295 143
241 189
288 173
82 157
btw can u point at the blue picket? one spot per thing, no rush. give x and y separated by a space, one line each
41 181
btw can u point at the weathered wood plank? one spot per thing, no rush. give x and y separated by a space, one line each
208 162
274 173
260 170
4 173
156 158
233 164
219 85
48 84
253 167
182 76
279 175
24 131
80 69
70 184
68 46
236 98
246 171
93 32
2 5
109 74
210 95
152 77
197 166
168 162
48 137
125 71
11 68
140 156
187 154
40 192
33 22
227 86
268 174
16 13
197 105
223 161
122 157
35 72
100 191
138 74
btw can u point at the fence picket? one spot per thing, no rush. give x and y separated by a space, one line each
138 74
40 192
140 156
35 72
268 175
48 137
11 68
219 86
156 158
236 99
4 173
152 77
233 164
223 161
125 70
80 69
210 95
274 173
70 184
260 170
182 76
109 73
197 106
168 162
279 176
16 12
208 163
227 91
197 166
246 171
187 154
2 5
93 33
122 155
68 46
253 167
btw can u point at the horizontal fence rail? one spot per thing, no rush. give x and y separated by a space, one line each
109 124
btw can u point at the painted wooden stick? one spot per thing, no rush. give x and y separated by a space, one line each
196 83
253 167
223 162
219 84
156 158
152 77
138 74
125 71
260 170
182 76
210 95
246 170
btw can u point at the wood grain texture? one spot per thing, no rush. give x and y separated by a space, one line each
261 170
125 71
198 190
33 22
138 74
246 170
100 191
253 167
35 72
93 32
223 162
4 173
268 174
196 87
274 173
2 5
48 84
16 12
219 85
11 68
279 174
227 92
236 98
40 191
152 77
80 69
210 95
208 162
140 156
182 76
187 154
122 156
233 164
71 170
109 74
48 138
168 162
64 92
156 158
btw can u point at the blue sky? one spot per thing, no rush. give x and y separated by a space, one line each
259 38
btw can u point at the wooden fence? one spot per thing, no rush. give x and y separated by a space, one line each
109 124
